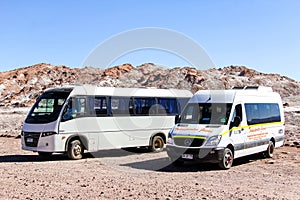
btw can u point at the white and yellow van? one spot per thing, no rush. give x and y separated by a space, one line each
221 125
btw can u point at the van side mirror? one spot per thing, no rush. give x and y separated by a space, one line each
236 122
177 117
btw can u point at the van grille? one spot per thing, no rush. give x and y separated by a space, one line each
31 139
189 142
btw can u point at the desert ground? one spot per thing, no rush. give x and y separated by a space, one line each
119 174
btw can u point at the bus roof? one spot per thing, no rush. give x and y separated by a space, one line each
78 90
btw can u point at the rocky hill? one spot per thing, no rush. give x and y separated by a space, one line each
20 87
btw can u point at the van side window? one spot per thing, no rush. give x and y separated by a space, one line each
238 112
258 113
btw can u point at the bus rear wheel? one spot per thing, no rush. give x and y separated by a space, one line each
75 150
157 144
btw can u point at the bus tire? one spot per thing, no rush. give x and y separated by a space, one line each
157 144
75 150
269 153
227 159
44 154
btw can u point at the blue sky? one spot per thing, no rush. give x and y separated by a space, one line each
260 34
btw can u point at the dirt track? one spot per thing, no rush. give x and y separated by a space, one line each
118 174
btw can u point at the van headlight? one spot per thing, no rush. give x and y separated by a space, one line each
214 140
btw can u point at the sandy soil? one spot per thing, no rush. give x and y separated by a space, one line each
119 174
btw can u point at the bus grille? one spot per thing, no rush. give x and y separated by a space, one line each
189 142
31 139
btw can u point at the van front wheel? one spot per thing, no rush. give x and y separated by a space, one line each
75 150
227 159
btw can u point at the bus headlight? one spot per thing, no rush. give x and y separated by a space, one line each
213 141
45 134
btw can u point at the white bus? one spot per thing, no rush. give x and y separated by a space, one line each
77 118
221 125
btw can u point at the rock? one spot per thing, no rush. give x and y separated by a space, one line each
270 162
20 87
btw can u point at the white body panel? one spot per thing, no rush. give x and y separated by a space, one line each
247 138
106 132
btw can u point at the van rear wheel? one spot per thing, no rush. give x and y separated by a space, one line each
75 150
269 153
157 144
227 159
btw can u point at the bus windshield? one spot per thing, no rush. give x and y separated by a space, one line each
206 113
47 107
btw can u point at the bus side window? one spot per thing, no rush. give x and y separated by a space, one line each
168 106
99 106
76 108
121 106
143 106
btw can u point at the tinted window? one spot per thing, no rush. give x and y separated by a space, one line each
98 106
168 105
143 106
121 106
258 113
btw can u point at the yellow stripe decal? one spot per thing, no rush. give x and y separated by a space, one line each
251 126
188 136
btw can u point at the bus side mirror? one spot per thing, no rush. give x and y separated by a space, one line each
236 122
177 117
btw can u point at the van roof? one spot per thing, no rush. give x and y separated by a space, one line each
231 95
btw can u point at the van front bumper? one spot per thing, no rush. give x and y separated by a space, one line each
211 155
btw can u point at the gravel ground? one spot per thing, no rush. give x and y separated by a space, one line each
119 174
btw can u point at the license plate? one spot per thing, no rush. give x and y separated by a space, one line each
187 156
29 140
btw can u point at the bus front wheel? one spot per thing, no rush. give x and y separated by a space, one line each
157 144
75 150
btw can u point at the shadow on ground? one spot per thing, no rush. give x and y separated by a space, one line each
60 156
165 165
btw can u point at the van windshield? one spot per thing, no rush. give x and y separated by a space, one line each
47 107
206 113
